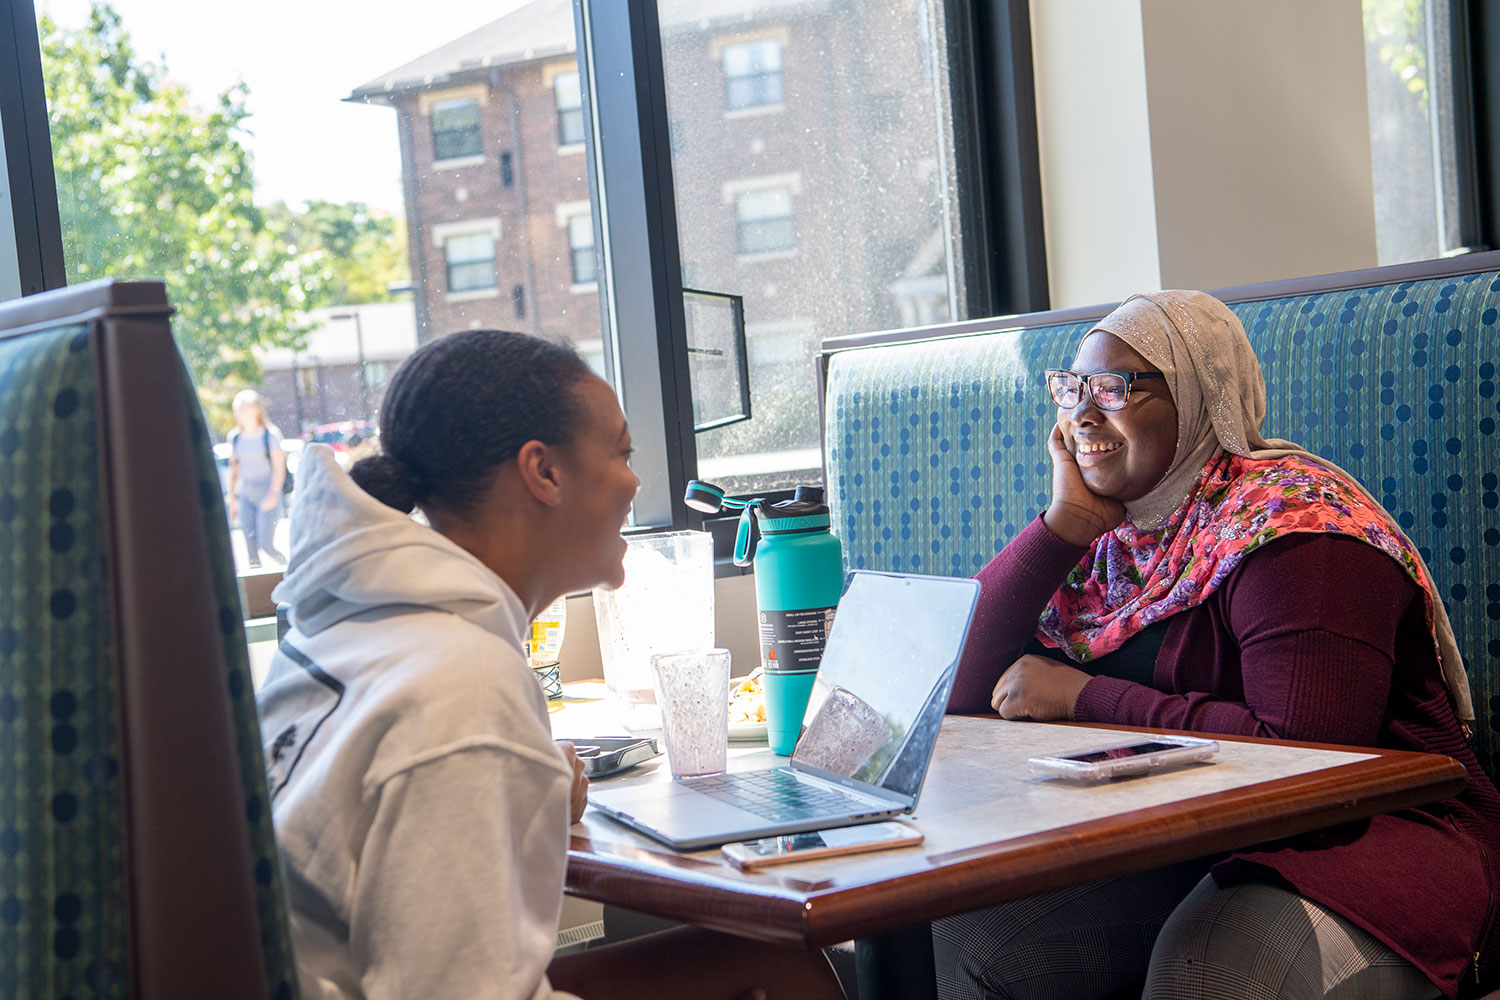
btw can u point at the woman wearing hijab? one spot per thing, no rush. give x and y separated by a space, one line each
1190 574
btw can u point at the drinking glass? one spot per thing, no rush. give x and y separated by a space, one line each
692 691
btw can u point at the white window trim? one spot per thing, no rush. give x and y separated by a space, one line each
428 98
755 111
454 162
566 211
731 190
587 286
760 258
571 149
443 231
717 46
477 293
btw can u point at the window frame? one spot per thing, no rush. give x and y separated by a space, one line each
477 130
758 79
449 263
639 280
571 118
765 223
582 254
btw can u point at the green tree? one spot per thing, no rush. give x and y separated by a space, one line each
356 251
1399 27
150 185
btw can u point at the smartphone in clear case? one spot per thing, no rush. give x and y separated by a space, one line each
1119 760
821 844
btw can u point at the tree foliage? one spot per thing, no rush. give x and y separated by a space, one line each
151 186
358 251
1399 28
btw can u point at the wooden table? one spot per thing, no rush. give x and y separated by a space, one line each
994 833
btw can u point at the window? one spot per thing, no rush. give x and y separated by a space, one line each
581 247
1416 106
377 374
507 172
453 54
569 109
752 74
471 262
763 222
455 129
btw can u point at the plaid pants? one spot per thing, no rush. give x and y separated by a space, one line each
1177 930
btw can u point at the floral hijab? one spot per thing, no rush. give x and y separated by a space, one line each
1228 492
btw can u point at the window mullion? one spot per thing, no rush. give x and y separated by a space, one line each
628 153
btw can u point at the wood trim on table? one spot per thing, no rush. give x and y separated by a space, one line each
785 910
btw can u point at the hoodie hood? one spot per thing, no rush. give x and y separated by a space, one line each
351 554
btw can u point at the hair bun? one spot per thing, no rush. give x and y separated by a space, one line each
389 481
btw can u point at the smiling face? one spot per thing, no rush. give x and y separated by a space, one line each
601 485
1121 454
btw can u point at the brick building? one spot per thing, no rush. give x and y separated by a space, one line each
808 165
321 384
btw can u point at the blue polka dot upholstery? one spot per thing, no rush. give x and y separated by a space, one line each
936 449
80 789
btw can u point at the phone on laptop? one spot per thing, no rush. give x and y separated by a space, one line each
1119 760
821 844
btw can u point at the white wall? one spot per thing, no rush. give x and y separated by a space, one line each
1260 139
1098 201
1200 143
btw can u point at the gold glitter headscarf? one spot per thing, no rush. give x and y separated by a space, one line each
1215 380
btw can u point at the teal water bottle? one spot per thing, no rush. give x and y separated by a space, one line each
799 575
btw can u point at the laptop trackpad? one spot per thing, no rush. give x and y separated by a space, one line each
674 808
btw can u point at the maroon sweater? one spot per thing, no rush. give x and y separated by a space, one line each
1313 637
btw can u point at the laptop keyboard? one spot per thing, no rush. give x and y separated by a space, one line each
776 795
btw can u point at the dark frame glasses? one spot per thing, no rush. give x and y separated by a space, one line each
1109 390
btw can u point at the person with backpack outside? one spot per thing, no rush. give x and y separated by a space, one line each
257 472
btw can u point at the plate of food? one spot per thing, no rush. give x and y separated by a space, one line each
747 708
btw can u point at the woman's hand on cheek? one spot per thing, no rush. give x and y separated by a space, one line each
1077 514
1037 688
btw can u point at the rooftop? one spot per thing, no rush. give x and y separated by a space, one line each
544 28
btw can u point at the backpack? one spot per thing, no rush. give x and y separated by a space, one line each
286 482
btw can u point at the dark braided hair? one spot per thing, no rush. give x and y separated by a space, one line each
461 406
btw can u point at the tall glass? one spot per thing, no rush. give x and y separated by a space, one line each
693 692
665 604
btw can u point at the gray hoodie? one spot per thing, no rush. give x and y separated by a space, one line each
420 805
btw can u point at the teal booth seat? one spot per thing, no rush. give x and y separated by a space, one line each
935 439
136 853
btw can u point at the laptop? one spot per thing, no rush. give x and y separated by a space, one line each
869 732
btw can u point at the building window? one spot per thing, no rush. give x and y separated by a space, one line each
307 382
377 373
471 262
455 129
507 172
752 74
581 246
569 110
518 299
763 222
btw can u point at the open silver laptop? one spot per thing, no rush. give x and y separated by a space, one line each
869 732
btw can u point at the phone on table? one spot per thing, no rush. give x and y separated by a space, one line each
1118 760
821 844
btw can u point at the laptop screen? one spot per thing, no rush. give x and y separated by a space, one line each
883 683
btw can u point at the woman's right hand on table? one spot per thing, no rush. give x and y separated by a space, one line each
1077 514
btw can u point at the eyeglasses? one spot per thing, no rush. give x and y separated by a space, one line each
1108 390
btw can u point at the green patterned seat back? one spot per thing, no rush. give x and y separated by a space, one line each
64 885
62 875
281 974
936 449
